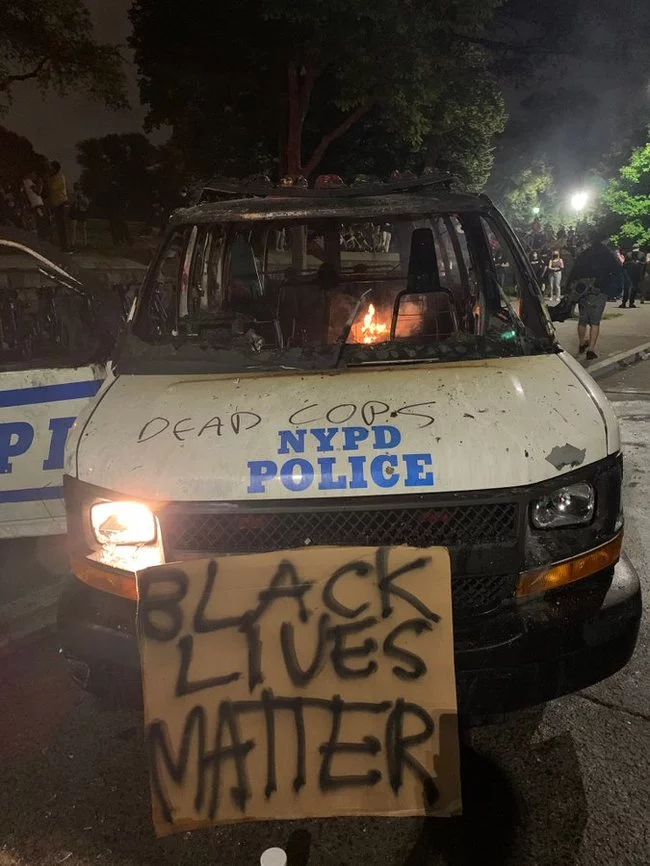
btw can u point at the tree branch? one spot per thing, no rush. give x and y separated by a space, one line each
292 72
326 140
8 80
306 87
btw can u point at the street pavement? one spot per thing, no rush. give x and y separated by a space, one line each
566 783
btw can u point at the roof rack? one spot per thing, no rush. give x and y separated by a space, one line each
218 191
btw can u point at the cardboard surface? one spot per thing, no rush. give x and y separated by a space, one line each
306 683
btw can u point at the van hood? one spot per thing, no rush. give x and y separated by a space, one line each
480 425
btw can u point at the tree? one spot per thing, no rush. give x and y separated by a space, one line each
118 161
51 42
248 84
461 143
128 164
628 196
525 192
17 159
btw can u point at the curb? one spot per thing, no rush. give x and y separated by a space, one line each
615 363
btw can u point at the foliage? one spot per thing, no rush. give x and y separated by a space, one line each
530 186
308 74
118 165
51 42
628 196
129 168
17 159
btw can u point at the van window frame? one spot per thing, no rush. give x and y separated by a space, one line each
474 264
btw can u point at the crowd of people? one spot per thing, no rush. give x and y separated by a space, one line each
41 202
586 271
553 254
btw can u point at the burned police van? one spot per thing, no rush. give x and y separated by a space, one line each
364 366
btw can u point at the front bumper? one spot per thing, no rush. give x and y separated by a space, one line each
528 653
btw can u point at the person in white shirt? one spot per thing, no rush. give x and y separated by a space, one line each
33 188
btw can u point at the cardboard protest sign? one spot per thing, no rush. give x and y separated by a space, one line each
305 683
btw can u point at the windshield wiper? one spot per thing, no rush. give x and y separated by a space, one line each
344 336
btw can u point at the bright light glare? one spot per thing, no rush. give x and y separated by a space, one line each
123 523
579 200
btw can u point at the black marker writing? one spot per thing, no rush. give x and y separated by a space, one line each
216 426
302 676
341 651
368 412
369 745
184 686
230 745
418 667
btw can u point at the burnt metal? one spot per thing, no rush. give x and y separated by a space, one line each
344 207
244 190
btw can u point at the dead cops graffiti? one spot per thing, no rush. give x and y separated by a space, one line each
341 472
299 683
323 448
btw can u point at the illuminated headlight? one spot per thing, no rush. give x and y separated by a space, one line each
568 506
123 523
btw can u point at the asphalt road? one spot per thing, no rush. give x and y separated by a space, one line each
568 783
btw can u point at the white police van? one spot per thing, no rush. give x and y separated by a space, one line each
58 324
290 379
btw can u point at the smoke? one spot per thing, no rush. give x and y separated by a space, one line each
588 97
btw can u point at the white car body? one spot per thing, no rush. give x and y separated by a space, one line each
39 403
37 409
469 426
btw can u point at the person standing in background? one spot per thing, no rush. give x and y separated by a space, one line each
539 267
33 188
79 206
635 269
596 268
555 270
385 237
58 199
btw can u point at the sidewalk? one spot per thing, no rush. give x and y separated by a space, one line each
32 572
622 331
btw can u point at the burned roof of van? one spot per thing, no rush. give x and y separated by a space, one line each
347 203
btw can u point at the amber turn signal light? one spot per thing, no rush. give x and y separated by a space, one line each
556 576
111 580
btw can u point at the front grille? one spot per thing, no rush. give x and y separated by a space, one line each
476 594
457 527
259 531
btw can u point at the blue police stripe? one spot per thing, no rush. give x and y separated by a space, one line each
31 494
49 393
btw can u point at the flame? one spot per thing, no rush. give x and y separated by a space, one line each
371 330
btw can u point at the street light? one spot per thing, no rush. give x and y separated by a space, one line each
579 200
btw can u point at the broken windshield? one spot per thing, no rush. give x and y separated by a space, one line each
321 293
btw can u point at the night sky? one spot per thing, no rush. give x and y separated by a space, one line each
54 125
607 57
